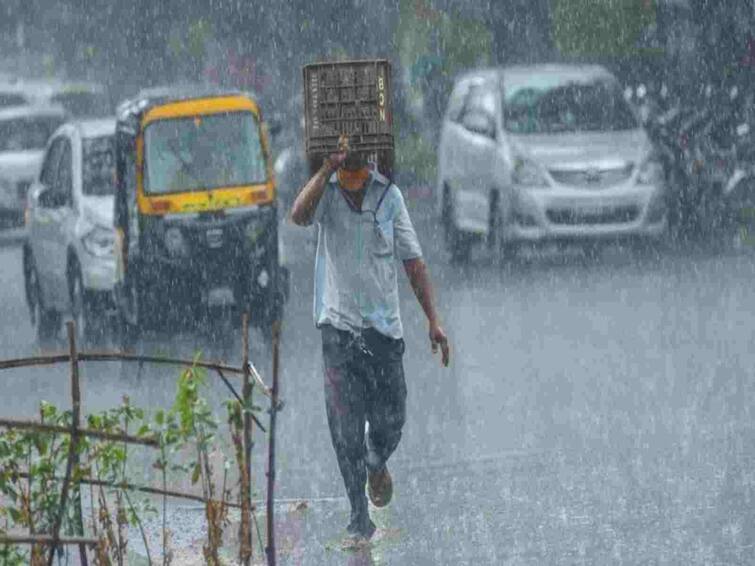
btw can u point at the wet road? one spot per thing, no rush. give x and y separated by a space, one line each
597 411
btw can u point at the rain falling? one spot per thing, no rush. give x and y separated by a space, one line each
416 282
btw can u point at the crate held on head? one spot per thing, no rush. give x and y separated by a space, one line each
352 98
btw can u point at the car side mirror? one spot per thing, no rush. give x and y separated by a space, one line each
479 123
47 198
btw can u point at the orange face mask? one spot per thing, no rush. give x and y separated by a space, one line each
353 180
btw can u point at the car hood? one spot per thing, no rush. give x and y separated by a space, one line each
584 150
98 210
20 165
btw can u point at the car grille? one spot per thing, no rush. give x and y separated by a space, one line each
22 188
593 178
607 215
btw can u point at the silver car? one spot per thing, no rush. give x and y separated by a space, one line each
68 259
24 131
545 152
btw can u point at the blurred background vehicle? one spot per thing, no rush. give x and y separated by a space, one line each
24 131
11 94
82 99
545 152
68 259
198 228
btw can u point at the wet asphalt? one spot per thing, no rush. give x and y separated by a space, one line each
597 410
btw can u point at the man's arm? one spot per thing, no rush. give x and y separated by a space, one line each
419 278
305 205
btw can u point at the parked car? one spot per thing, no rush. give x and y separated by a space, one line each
545 152
24 131
68 258
81 99
11 94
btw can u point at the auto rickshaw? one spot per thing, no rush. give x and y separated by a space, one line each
195 209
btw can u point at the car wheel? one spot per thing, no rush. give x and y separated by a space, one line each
84 311
458 242
30 286
127 335
46 321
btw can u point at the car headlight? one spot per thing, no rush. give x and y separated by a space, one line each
99 242
175 243
529 174
651 172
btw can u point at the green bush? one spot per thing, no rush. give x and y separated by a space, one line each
603 28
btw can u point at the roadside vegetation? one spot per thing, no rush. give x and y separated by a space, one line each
113 488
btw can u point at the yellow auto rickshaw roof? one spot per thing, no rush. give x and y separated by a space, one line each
200 107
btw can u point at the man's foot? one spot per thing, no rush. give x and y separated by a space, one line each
355 542
380 487
360 531
362 526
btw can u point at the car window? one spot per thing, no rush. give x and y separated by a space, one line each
456 101
572 107
203 152
64 179
50 165
481 99
125 164
98 166
27 133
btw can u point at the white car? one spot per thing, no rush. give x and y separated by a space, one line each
68 260
24 131
545 153
12 95
81 99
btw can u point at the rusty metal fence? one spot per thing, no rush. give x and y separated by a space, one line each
250 380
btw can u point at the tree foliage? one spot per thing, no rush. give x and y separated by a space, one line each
601 28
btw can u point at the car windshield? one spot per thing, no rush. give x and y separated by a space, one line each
83 103
31 132
571 107
203 152
98 166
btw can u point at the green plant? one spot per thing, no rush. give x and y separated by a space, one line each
186 434
28 478
604 28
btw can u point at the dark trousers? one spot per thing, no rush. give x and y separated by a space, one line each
364 382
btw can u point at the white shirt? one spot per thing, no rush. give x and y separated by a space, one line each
356 284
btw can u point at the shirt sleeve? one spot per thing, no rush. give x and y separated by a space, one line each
323 206
405 241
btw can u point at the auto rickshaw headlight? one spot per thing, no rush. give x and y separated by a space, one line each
263 279
175 243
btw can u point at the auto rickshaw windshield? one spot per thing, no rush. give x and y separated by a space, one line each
203 152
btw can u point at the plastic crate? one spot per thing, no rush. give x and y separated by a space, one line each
353 98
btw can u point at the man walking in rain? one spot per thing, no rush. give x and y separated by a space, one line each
364 227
